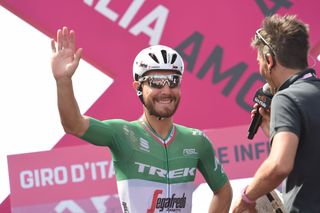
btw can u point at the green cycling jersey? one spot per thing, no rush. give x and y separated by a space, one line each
155 174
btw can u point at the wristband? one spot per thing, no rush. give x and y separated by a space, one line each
245 198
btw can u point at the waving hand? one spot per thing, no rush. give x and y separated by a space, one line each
65 59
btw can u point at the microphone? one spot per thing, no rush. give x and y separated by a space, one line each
262 97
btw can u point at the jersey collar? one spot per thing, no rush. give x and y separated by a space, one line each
167 140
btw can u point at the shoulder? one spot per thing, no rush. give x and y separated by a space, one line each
301 88
191 133
119 122
187 130
283 98
296 94
115 124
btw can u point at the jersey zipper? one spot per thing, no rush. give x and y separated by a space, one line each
165 143
168 169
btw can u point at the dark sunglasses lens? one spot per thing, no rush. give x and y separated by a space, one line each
156 83
172 81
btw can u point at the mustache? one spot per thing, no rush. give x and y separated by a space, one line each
165 97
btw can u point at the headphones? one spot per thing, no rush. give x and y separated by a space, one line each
296 77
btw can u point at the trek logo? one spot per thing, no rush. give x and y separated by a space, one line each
176 173
171 204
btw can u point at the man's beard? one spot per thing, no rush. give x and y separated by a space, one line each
167 112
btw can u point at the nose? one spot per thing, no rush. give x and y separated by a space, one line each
166 88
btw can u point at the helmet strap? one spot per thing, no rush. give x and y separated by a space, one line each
139 94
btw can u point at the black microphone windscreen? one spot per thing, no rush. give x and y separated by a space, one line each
262 97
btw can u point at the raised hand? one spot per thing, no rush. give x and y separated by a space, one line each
65 59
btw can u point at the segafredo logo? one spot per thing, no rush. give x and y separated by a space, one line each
171 204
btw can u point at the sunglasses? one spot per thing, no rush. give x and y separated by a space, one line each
159 81
259 37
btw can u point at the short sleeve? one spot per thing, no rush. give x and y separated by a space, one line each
100 133
210 167
285 115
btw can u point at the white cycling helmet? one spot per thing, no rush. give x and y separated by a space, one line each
157 57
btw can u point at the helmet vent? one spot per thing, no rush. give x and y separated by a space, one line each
174 57
164 55
154 57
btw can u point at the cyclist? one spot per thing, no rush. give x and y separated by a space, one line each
155 160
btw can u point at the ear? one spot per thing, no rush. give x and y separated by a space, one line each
270 60
136 85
